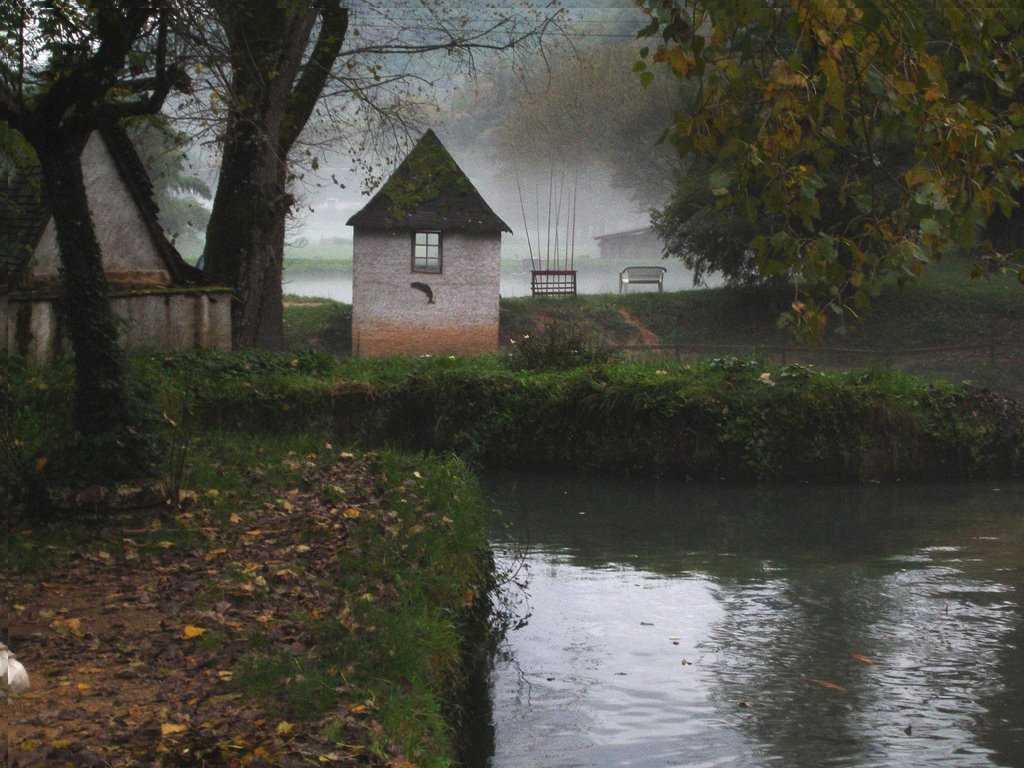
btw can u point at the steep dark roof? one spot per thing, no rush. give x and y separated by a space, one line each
428 190
24 213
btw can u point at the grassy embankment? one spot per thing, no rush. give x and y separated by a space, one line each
737 419
910 329
323 257
304 605
720 417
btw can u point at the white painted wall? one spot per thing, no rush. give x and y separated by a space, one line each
167 320
123 237
386 308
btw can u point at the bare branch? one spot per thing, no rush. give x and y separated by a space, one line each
308 89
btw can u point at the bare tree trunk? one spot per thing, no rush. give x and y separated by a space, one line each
273 93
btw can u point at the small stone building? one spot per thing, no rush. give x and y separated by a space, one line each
159 301
426 262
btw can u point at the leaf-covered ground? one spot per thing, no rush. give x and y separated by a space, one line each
201 640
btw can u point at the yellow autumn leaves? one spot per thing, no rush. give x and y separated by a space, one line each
170 729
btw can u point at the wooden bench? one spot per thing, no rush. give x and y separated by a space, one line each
642 275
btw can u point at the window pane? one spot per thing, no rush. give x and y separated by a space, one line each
426 252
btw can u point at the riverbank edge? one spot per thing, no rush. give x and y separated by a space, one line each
725 419
395 644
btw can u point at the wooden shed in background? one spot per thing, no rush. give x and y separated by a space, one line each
641 245
426 261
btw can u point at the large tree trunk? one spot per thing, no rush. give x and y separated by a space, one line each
245 238
101 399
273 93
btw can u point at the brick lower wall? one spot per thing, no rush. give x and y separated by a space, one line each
384 340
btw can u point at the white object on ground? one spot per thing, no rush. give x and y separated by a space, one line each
13 677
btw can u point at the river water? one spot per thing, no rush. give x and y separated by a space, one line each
673 625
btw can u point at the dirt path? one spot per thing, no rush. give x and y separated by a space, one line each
131 644
642 334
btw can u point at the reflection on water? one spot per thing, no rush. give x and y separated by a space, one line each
680 626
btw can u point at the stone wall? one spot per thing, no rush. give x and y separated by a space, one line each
165 321
390 317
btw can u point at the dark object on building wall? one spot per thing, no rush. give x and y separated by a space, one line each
425 289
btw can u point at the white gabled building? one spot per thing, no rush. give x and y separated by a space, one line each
426 262
159 301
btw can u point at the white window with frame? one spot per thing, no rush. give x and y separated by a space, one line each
426 251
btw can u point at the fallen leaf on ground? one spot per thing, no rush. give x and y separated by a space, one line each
64 626
190 632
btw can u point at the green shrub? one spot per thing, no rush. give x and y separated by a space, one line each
560 345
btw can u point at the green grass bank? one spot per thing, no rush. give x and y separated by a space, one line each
727 418
945 326
734 418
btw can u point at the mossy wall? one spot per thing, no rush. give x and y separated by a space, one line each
822 431
726 419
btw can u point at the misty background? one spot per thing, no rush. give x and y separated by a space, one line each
560 131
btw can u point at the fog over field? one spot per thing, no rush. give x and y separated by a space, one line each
531 138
